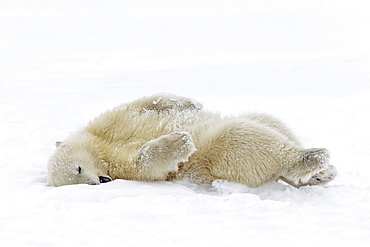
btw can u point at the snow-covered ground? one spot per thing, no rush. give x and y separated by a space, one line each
64 62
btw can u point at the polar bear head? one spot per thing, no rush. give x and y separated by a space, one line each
75 162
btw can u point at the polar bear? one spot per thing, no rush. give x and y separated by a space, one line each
166 137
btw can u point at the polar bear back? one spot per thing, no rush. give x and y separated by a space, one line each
124 124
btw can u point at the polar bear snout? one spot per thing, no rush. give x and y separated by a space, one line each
104 179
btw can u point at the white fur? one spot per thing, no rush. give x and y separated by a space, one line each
165 137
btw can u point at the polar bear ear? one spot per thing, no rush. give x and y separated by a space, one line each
57 144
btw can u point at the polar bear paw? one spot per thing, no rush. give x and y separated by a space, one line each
186 104
181 146
167 102
167 150
314 169
315 157
323 177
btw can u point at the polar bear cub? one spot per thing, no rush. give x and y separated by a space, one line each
167 137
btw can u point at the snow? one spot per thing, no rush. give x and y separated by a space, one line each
64 62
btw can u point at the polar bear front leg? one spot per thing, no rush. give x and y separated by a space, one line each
160 156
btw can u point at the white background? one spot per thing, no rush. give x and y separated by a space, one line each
64 62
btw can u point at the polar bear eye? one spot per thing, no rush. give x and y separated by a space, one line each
79 169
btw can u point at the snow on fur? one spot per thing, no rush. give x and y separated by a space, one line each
63 62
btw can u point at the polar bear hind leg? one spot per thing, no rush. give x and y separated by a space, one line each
312 158
244 151
273 123
247 152
323 177
313 169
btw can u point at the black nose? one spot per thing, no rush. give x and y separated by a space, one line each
104 179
